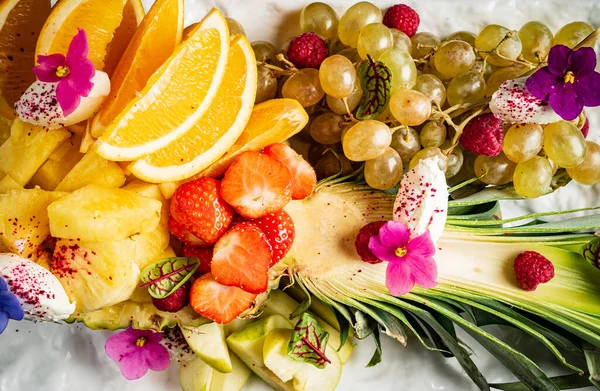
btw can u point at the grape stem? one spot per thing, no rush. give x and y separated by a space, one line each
278 71
589 40
458 128
494 51
423 60
284 60
350 115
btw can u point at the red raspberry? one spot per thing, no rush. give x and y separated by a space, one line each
532 269
175 301
483 135
362 241
586 128
403 18
307 51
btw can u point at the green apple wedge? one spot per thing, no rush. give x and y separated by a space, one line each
233 381
304 376
208 342
196 375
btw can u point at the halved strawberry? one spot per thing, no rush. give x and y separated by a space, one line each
256 184
204 254
278 227
241 258
184 235
217 302
304 178
199 207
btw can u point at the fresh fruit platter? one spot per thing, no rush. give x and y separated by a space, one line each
235 209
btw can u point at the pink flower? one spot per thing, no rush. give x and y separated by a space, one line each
410 260
137 351
73 73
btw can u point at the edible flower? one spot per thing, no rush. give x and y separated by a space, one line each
410 261
569 82
73 73
10 308
137 351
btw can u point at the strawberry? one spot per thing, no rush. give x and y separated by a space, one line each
179 231
278 227
218 302
256 184
199 207
241 258
204 254
304 178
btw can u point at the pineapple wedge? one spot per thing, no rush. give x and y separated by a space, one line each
92 169
27 149
5 125
100 214
8 183
58 165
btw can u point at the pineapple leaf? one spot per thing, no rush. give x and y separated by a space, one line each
565 382
591 252
376 359
167 275
583 223
308 342
344 326
375 80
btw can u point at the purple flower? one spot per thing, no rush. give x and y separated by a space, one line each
10 308
73 73
410 260
569 82
137 350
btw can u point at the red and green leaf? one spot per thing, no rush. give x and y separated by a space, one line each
375 81
167 275
308 342
591 252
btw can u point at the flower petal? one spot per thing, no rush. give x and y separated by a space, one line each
582 61
134 365
588 88
10 305
558 60
566 102
120 345
67 97
542 83
80 78
398 278
381 251
3 321
424 271
3 286
78 48
157 356
421 247
394 234
46 70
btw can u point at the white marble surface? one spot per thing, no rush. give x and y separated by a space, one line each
53 357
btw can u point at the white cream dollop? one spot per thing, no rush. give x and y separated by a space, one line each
422 200
38 105
40 293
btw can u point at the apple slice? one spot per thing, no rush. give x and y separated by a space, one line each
233 381
195 375
208 342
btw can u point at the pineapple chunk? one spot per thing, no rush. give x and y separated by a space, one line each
168 188
27 149
99 214
92 169
24 219
8 183
58 165
5 125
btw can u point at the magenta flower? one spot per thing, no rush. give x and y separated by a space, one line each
410 260
569 82
73 73
137 351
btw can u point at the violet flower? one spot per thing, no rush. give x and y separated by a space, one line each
73 73
569 82
410 260
137 351
10 308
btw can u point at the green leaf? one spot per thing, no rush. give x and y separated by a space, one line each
591 252
592 358
308 342
375 80
167 275
376 359
565 382
344 327
363 324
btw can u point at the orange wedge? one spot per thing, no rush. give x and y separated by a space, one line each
175 98
217 130
133 13
99 19
20 25
153 42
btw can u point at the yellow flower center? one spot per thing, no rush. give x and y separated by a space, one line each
400 251
62 71
141 341
570 77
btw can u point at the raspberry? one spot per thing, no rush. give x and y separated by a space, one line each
532 269
362 241
403 18
585 128
307 51
175 301
483 135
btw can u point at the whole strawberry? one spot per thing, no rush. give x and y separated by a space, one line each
307 51
204 254
483 135
362 241
532 269
181 233
403 18
175 301
278 227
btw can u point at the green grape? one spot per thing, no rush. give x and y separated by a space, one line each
465 36
337 76
456 159
468 87
354 19
406 142
331 164
319 18
327 128
366 140
304 86
353 100
304 134
264 51
235 27
500 76
523 141
385 171
493 37
351 54
410 107
433 87
433 134
454 58
564 143
423 43
266 85
286 45
536 38
494 170
404 71
373 40
553 165
401 41
316 151
573 33
588 171
487 72
533 177
427 153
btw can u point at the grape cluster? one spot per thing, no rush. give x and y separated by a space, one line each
436 87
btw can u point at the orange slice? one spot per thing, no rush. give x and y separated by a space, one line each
176 96
20 25
217 130
153 42
99 19
133 13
